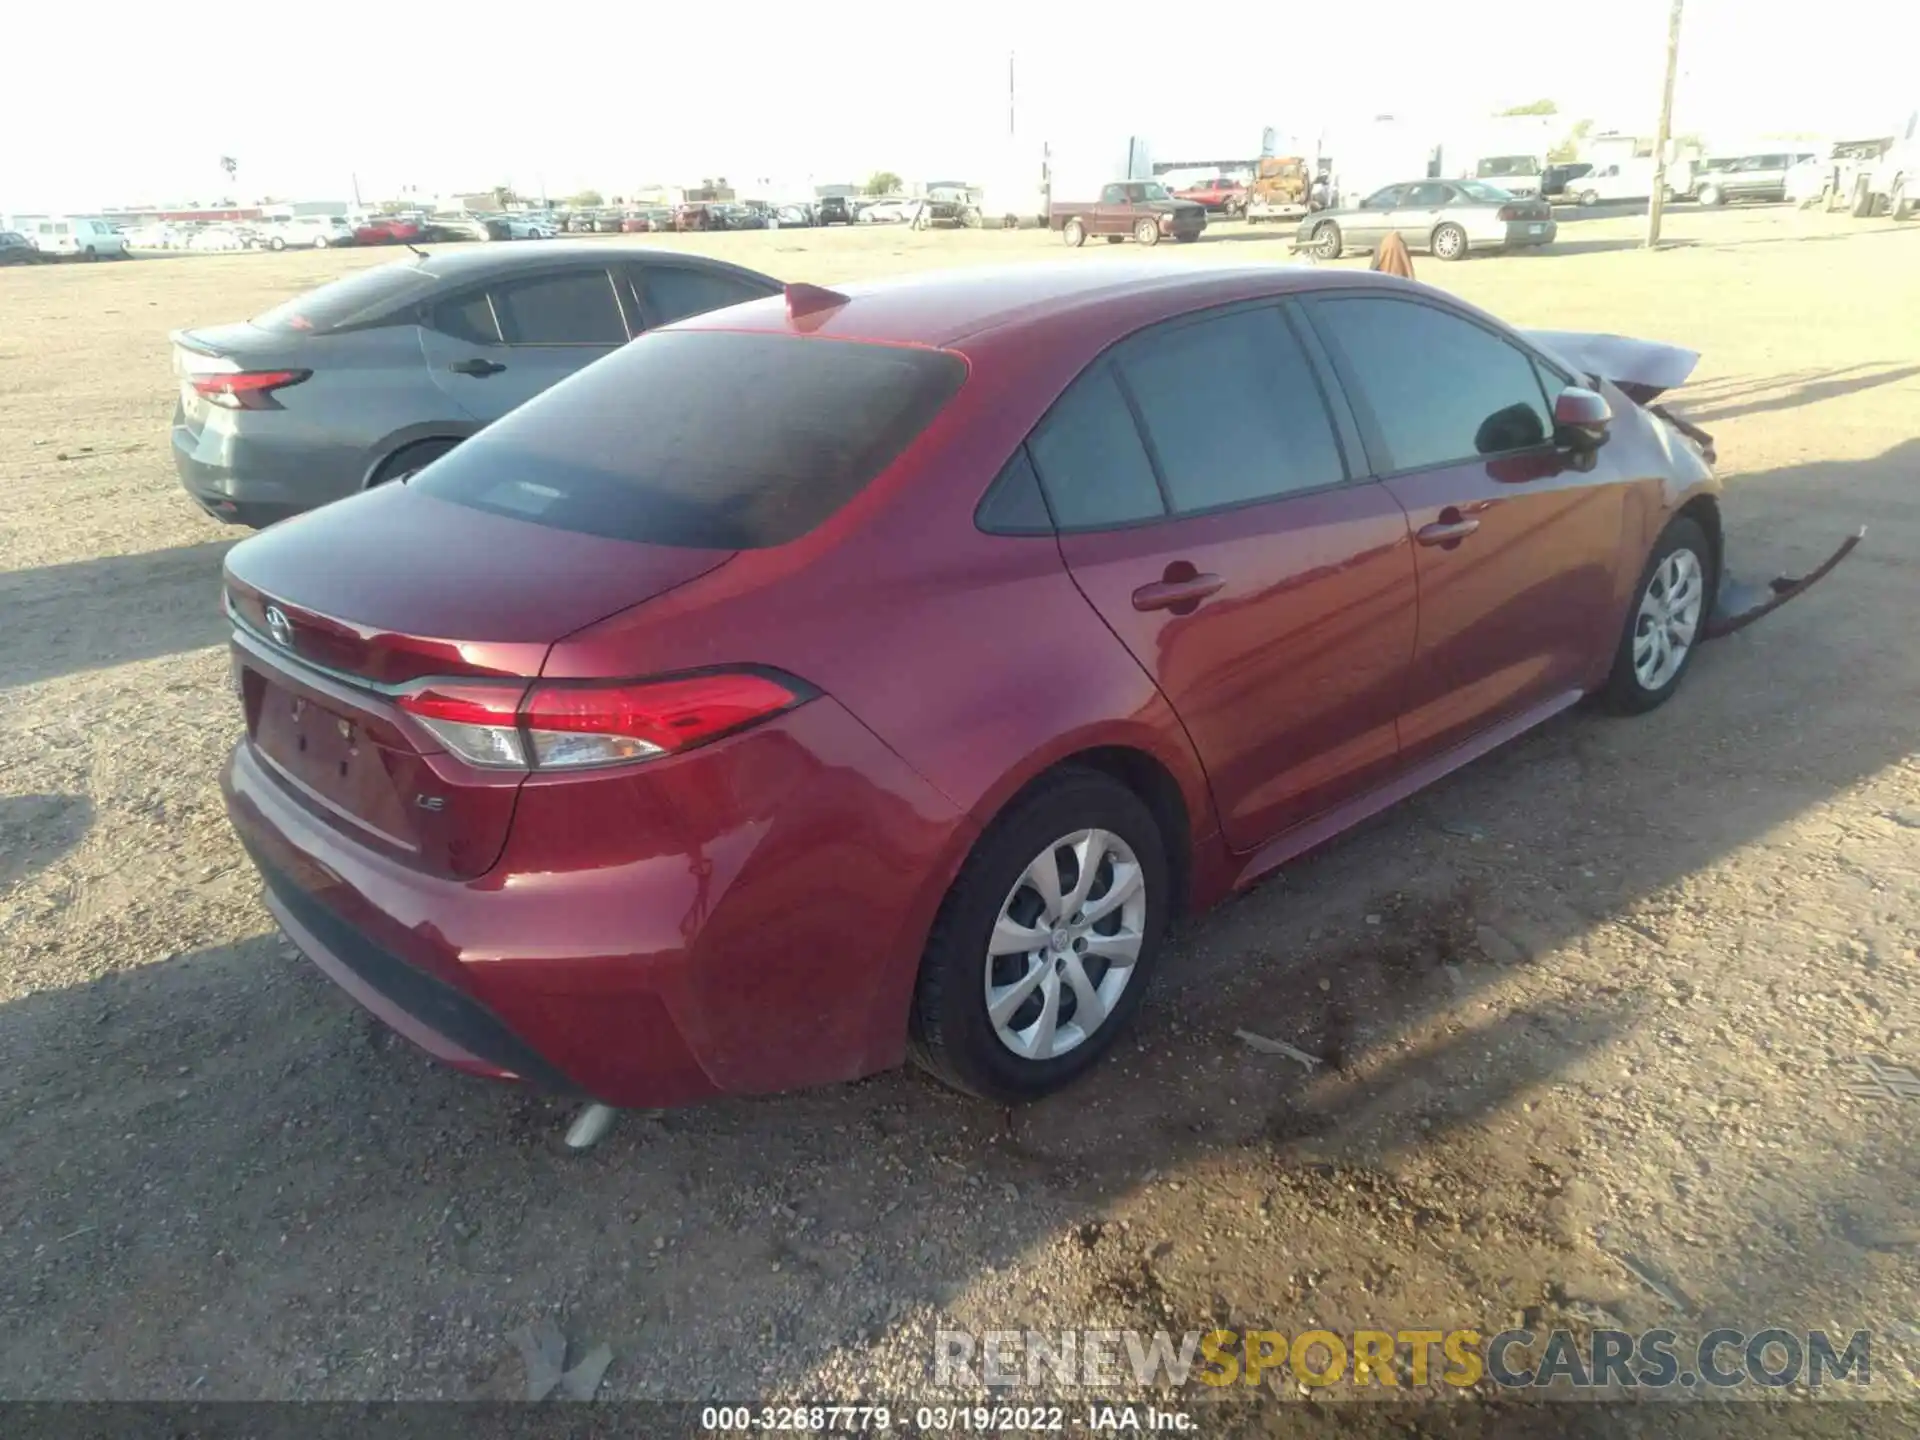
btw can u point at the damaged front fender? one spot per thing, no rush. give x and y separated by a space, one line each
1739 603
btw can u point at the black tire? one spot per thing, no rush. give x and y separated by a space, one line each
91 254
276 243
409 458
1326 240
1623 693
1589 199
1074 233
1449 243
950 1034
1147 232
1712 195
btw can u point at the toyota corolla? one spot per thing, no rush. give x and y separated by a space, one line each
850 674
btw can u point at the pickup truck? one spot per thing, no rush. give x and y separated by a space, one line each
1142 209
1222 194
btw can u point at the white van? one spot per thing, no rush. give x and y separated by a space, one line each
78 239
316 232
1630 179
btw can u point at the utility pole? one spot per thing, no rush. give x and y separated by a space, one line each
1010 94
1659 201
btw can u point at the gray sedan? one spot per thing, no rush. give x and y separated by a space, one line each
1450 218
371 377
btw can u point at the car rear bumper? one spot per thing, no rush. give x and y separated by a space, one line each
234 480
744 919
1520 234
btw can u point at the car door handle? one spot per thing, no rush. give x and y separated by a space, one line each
476 367
1167 594
1446 532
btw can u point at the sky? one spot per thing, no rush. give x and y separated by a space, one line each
312 98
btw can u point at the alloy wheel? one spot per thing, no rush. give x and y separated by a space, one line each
1669 619
1065 945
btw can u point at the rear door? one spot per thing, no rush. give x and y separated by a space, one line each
1206 509
1515 548
1418 210
492 347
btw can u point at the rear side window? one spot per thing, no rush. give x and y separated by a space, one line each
673 292
1232 409
1091 462
575 308
359 297
1432 388
466 317
710 440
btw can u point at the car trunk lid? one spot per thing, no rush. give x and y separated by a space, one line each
341 612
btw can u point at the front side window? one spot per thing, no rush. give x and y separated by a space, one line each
1431 388
572 308
675 292
1429 197
1383 199
1232 410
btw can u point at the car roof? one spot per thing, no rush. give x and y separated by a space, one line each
481 261
961 309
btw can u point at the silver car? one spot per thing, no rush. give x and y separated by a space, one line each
1450 218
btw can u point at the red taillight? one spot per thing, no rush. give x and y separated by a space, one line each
1508 212
245 389
572 726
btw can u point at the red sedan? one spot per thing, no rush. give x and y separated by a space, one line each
843 675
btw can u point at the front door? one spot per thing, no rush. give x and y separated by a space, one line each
493 348
1515 547
1367 226
1224 540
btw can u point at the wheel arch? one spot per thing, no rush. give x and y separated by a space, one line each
1704 510
379 454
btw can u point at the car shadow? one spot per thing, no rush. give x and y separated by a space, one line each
92 614
237 1185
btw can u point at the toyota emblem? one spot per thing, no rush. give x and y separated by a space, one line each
279 627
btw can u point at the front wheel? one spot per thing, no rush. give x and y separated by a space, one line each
276 243
1147 232
320 242
1711 195
1449 243
1074 233
1589 199
1044 945
1663 628
1326 240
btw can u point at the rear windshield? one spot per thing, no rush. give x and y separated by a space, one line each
708 439
344 302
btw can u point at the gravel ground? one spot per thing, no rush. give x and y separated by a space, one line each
1605 992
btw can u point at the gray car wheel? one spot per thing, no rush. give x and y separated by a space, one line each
1449 243
1326 240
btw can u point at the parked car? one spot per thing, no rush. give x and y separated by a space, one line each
877 673
223 238
16 249
460 228
698 215
315 232
739 217
835 210
389 230
1560 176
158 236
1746 177
1516 174
76 237
369 378
1616 181
1221 193
796 216
1143 209
1449 218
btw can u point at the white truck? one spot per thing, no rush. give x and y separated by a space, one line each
1891 185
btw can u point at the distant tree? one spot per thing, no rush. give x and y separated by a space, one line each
1569 148
586 200
883 182
1534 107
230 165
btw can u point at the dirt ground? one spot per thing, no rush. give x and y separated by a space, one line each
1606 992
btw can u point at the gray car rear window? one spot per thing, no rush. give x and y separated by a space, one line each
712 440
344 302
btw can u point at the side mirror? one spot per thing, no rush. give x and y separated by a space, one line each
1580 418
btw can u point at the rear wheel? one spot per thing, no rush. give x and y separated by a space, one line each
320 242
1045 943
1074 233
276 243
1669 611
408 459
1712 195
90 254
1326 240
1147 232
1449 243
